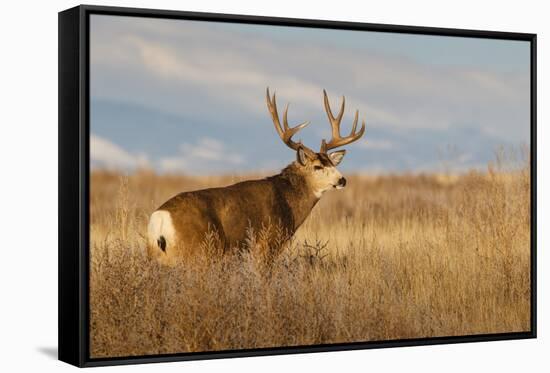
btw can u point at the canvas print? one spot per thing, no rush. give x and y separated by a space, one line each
259 186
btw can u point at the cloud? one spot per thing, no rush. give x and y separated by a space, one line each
194 67
217 73
106 154
207 155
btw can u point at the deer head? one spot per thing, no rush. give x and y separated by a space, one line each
319 168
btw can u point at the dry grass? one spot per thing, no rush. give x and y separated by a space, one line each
387 258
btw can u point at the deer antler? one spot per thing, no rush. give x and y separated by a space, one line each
336 139
285 132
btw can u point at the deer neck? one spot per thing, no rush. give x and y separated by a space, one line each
298 194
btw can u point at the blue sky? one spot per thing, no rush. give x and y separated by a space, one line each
189 97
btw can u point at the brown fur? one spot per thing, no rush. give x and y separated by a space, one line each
231 212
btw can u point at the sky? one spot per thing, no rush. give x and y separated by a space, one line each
180 96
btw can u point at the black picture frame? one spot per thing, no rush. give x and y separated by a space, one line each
74 311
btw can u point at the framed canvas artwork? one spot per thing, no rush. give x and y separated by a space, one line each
237 186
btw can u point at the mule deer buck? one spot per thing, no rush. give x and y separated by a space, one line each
180 225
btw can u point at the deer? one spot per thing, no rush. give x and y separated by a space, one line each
179 226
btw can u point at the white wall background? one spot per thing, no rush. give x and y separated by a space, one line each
28 186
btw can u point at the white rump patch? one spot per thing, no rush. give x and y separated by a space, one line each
160 224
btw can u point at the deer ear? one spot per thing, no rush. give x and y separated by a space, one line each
301 156
337 156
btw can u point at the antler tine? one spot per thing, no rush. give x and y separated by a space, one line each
337 140
354 122
285 131
331 117
272 107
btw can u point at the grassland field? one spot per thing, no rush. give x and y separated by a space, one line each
388 257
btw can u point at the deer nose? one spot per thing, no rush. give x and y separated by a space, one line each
342 181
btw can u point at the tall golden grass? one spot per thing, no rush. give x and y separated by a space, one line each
388 257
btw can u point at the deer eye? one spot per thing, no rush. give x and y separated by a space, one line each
317 168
